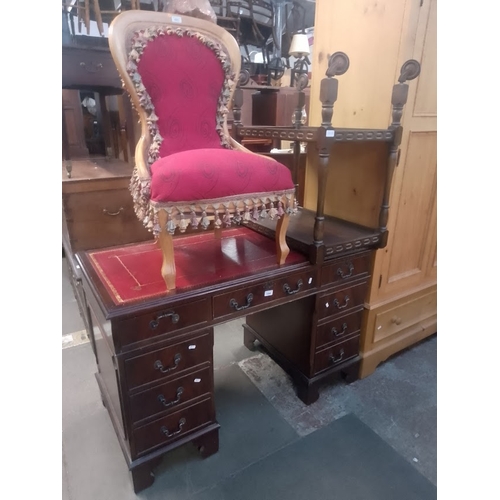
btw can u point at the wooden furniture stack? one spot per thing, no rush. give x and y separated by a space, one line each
400 307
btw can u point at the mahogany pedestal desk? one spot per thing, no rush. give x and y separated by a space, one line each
154 350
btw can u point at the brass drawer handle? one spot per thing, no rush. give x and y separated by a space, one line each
289 291
120 210
168 434
159 366
345 276
337 333
235 305
92 67
163 401
336 303
334 360
169 314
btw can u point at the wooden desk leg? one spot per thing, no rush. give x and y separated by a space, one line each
248 339
308 394
143 476
208 444
351 373
106 126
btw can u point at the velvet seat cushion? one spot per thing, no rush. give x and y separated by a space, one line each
216 174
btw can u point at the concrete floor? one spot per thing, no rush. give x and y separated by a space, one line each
259 416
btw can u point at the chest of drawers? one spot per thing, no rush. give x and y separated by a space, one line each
155 376
155 355
317 338
97 206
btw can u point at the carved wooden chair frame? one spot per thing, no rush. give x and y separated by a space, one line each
122 29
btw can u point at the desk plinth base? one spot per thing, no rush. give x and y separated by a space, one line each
142 469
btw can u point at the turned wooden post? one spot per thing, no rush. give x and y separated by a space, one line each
300 85
237 104
338 64
409 71
237 101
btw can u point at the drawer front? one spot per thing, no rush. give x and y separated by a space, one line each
89 67
172 427
169 361
107 205
341 301
408 314
169 396
338 329
102 218
162 321
247 298
336 354
346 269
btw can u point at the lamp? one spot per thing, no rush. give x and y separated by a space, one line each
299 49
300 46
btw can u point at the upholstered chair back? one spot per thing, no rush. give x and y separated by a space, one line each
184 79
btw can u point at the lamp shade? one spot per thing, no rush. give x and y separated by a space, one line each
300 45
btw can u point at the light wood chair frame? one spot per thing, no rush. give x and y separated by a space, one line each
121 32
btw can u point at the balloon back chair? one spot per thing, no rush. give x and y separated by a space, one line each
180 73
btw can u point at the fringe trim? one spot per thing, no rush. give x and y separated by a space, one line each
199 214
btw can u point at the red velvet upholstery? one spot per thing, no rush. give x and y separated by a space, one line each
204 174
184 79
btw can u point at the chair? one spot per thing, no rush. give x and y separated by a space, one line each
256 24
181 73
227 17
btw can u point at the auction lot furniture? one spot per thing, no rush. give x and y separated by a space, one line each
154 347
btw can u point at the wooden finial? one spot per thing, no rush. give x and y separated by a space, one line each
409 71
338 64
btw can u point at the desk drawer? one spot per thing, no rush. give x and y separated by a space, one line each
169 396
341 301
169 361
336 355
346 269
173 426
338 329
162 321
249 297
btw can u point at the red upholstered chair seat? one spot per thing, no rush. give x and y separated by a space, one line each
216 174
